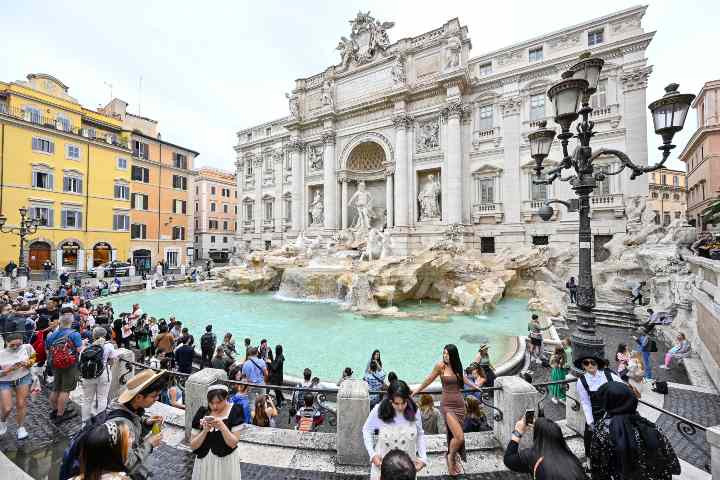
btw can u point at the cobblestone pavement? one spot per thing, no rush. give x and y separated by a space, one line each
702 408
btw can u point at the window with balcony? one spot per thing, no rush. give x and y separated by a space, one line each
485 69
212 224
249 211
179 182
268 206
485 117
595 37
598 100
535 54
121 222
72 184
89 132
122 191
72 152
138 231
485 192
178 233
43 145
32 114
602 187
71 218
537 106
42 179
141 149
538 191
63 123
180 160
44 215
140 174
172 258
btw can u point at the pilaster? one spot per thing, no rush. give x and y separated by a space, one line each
512 195
634 83
329 182
402 122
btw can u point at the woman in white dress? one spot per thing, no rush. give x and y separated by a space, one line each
215 437
399 426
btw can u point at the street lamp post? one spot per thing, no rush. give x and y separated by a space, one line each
27 226
571 100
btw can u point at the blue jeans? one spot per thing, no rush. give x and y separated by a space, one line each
648 365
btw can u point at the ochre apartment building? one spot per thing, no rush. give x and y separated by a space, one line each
216 208
162 193
667 195
69 166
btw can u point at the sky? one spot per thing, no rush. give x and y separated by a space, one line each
205 70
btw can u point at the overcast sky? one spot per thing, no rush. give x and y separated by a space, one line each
211 68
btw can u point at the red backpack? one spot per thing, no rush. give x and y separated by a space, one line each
38 344
63 353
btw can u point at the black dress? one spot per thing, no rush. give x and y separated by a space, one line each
214 458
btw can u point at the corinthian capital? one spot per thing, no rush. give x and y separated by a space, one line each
296 144
455 109
510 106
635 79
402 121
328 138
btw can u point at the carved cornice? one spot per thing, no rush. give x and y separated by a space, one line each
296 144
257 161
510 106
635 79
455 109
402 121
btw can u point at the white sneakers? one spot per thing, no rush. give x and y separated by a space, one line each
664 367
22 433
3 428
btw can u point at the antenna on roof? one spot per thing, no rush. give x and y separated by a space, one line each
111 89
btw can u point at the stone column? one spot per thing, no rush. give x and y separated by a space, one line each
353 407
635 119
344 202
258 172
575 418
402 170
514 399
120 368
511 195
279 183
294 150
389 198
329 183
713 438
196 393
452 167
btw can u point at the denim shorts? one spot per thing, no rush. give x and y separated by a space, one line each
10 384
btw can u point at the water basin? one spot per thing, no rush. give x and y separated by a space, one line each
326 339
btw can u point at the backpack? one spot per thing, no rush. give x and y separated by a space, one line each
305 424
207 341
70 466
652 346
63 353
91 362
38 343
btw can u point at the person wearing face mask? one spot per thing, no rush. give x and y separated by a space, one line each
15 362
588 386
395 417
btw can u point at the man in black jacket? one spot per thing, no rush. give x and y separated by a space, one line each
208 342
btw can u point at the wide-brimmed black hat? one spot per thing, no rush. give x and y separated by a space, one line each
601 362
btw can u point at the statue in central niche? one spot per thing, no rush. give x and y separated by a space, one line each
429 199
363 204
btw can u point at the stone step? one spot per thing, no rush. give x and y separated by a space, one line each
604 316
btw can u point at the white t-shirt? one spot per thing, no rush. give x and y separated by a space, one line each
9 358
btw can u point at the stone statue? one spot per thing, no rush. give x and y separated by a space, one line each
363 203
398 72
326 95
293 105
635 208
316 159
387 246
704 237
347 50
374 244
429 199
428 137
452 53
300 242
314 247
316 209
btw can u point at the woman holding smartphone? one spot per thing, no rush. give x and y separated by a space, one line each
15 362
215 437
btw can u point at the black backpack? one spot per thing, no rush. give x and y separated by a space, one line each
70 466
652 346
207 341
91 362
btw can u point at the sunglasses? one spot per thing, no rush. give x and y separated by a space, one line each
587 363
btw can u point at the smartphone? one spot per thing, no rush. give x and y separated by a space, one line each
529 417
208 419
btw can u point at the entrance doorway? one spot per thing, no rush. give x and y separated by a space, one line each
70 254
102 253
142 261
39 252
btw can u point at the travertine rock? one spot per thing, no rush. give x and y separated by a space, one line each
548 299
482 294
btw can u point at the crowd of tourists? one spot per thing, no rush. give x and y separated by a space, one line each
63 338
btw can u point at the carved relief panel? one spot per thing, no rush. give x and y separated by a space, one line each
427 136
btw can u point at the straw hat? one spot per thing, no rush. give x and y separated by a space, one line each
483 347
136 384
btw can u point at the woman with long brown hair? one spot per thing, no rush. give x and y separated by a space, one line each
104 452
265 411
452 404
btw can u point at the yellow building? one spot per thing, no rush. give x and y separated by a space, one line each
70 167
668 198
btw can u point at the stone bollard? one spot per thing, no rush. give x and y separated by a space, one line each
353 407
713 438
119 368
516 397
6 283
575 419
22 282
196 388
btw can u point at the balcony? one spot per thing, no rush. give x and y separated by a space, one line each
486 135
487 210
530 208
604 202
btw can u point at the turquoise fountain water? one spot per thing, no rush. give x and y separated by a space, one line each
326 339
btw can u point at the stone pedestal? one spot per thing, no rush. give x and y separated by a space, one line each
5 283
575 418
196 393
119 368
713 438
516 397
22 282
353 407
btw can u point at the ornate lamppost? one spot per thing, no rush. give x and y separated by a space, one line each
27 226
571 99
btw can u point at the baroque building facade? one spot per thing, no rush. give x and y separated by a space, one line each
418 135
